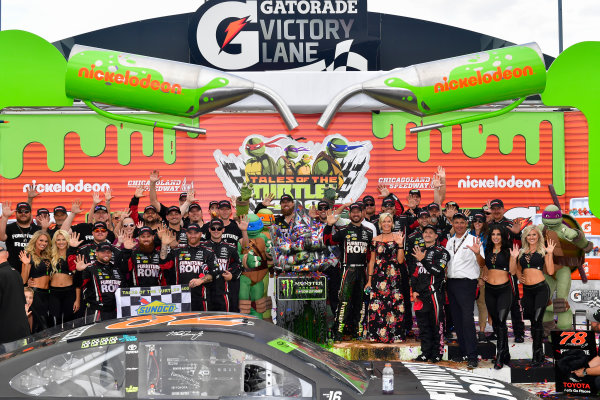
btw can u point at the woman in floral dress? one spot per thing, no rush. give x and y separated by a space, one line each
383 322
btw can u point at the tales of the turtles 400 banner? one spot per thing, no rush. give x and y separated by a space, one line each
153 300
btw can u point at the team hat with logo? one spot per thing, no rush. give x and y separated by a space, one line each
58 209
323 205
415 192
429 226
183 196
388 202
194 205
369 199
355 206
423 213
194 227
286 197
100 208
452 204
173 208
216 222
145 229
213 203
100 225
496 203
432 206
24 205
104 247
459 215
41 211
150 207
224 204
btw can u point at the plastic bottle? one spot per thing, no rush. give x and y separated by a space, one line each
387 378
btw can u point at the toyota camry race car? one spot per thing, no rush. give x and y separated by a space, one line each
215 356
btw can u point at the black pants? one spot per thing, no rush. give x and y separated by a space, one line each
61 304
430 320
407 322
350 305
334 280
226 297
535 301
498 300
461 294
98 315
516 309
39 307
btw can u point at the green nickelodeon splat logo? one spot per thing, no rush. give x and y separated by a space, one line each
50 131
474 144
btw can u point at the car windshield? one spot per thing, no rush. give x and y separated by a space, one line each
342 369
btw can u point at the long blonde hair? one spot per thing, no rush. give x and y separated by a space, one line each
541 244
55 256
46 254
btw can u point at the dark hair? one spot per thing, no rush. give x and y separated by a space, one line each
485 229
505 244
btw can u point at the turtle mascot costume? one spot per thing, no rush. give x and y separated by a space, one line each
569 255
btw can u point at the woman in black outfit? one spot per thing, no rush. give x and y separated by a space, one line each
498 291
65 295
35 271
530 263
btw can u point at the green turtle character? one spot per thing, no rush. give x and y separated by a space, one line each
285 164
569 255
260 163
256 259
303 166
326 162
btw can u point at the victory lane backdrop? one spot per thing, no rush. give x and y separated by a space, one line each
194 161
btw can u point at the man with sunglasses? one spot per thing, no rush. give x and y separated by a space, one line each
88 250
226 287
370 211
13 318
16 234
354 241
194 265
85 230
233 232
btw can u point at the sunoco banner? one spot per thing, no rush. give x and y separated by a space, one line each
282 34
153 300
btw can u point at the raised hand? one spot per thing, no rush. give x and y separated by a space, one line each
24 257
412 203
140 224
191 196
550 246
441 173
467 212
74 240
161 230
243 222
7 210
80 263
76 206
96 198
338 211
107 195
121 237
168 237
154 176
129 243
398 238
32 192
383 191
332 218
449 213
514 252
268 200
139 191
43 221
418 253
436 182
476 247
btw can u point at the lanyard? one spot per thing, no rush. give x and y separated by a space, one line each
454 249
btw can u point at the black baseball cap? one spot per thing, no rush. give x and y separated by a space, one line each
145 229
429 226
194 227
173 208
100 225
58 209
355 205
423 213
104 247
100 208
496 203
224 204
41 211
286 197
459 215
388 202
323 205
195 205
431 206
479 215
183 195
415 192
368 198
216 222
150 207
213 203
452 204
24 205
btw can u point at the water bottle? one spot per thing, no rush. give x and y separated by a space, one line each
387 378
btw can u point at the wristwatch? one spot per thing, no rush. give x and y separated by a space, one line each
585 372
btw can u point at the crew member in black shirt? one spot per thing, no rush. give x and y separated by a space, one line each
17 234
12 312
143 263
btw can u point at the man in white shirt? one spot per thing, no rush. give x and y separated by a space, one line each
466 259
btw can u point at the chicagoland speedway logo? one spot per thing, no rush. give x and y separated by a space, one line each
282 34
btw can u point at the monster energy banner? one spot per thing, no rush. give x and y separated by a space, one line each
293 287
572 351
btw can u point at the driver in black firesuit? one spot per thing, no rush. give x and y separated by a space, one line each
193 265
101 279
226 288
427 283
353 241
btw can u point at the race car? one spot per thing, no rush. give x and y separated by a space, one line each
216 356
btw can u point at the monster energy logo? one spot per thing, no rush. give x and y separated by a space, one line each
301 288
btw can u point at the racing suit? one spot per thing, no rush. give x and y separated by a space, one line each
187 263
428 281
354 242
225 294
144 269
100 282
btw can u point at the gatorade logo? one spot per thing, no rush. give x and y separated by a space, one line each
156 307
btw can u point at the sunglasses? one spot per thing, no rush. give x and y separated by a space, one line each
488 213
23 211
478 220
1 250
323 208
128 225
370 204
100 230
214 228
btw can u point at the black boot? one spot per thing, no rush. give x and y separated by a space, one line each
502 355
538 347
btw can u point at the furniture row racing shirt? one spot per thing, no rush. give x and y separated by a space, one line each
100 282
187 263
353 241
145 269
228 259
430 273
89 253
